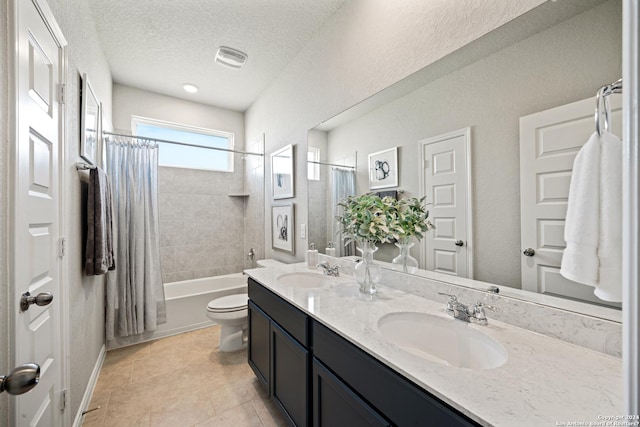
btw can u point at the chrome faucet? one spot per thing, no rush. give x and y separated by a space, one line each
328 270
462 312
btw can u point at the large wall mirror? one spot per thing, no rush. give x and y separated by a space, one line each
553 58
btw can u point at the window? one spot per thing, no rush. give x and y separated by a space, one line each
182 156
313 169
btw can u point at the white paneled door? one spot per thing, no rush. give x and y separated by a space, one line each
445 174
36 261
549 143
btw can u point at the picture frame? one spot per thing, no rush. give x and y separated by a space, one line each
90 123
283 227
282 173
383 169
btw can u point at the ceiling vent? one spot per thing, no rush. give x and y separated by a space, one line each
230 57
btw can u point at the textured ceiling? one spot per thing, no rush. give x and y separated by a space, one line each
158 45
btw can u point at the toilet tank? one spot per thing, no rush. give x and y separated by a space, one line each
264 263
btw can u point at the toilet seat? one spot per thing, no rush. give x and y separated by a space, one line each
228 304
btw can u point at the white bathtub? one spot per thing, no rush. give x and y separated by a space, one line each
187 304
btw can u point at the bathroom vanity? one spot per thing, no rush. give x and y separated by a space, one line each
320 349
318 378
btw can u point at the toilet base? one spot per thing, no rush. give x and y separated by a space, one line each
233 338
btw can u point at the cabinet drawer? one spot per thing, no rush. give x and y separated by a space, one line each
398 399
294 321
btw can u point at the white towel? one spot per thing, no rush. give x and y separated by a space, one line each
609 286
593 230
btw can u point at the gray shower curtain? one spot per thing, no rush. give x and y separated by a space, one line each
135 294
343 184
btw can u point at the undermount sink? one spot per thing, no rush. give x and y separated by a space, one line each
304 280
447 341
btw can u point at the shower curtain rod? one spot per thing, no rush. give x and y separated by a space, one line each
186 144
330 164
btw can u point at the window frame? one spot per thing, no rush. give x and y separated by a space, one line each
230 136
313 169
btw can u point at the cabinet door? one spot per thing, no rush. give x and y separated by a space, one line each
335 404
259 343
289 376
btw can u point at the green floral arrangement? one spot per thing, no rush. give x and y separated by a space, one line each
413 218
368 217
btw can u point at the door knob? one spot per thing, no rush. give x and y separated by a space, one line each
41 299
459 243
20 380
529 252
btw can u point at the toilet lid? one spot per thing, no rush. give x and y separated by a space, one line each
229 303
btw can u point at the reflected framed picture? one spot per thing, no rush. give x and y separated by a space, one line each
282 179
383 169
282 227
90 118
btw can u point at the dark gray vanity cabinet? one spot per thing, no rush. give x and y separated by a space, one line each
335 404
259 348
391 394
290 375
278 352
319 378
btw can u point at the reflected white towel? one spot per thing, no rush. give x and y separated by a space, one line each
593 230
582 230
609 286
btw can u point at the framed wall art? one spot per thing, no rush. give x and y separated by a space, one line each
282 177
383 169
89 123
282 228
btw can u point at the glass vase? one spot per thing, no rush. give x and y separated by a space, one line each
367 272
404 261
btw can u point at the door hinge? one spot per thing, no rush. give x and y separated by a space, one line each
63 399
62 247
61 95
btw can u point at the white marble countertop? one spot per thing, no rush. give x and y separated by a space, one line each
545 381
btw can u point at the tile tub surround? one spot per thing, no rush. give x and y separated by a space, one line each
201 227
594 332
578 384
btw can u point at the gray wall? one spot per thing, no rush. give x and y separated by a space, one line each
201 226
85 294
365 47
254 203
563 64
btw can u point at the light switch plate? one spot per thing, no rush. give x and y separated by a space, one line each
303 231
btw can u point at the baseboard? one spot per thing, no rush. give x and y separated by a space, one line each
88 392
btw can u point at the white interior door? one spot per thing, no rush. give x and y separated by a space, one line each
445 170
549 143
35 217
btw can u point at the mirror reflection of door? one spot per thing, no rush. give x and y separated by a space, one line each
445 172
549 143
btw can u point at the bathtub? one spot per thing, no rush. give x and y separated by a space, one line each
187 306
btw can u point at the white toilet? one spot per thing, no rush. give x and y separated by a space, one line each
230 312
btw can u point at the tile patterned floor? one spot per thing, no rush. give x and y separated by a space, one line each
180 381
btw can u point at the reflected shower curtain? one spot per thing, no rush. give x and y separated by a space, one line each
343 184
134 294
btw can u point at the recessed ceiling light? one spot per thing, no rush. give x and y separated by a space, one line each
230 57
191 88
